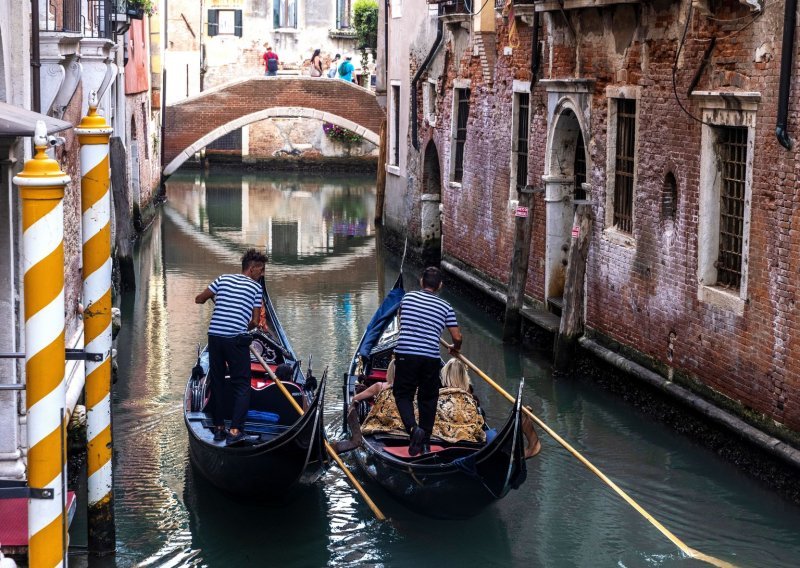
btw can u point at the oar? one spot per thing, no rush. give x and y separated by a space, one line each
689 551
330 450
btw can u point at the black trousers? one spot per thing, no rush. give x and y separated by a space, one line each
234 353
415 374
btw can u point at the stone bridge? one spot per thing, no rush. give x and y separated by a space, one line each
194 123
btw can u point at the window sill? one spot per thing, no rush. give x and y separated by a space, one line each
286 30
454 184
721 298
617 237
394 170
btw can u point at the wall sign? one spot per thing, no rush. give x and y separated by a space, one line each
576 231
521 211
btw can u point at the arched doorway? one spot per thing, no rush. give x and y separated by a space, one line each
431 220
565 183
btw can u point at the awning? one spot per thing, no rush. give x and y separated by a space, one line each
16 121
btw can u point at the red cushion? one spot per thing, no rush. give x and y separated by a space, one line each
377 374
402 451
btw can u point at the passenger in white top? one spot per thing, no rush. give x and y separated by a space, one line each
237 308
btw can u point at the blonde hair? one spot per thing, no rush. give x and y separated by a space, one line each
454 374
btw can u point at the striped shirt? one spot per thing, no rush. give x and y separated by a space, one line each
235 296
423 316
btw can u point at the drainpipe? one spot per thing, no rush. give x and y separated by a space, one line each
386 45
418 74
36 64
535 49
789 22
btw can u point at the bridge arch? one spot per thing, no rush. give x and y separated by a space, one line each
196 122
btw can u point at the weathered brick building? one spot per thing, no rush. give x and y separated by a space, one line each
662 114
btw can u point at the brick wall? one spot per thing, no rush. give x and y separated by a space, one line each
645 296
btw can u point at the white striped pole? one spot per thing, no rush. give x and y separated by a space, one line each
41 185
93 133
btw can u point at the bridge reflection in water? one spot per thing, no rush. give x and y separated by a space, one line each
326 277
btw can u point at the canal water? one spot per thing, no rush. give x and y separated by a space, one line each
327 274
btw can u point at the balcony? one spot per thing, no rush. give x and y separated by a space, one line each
455 11
60 16
558 5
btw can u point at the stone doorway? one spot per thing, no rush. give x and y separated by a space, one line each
565 183
431 218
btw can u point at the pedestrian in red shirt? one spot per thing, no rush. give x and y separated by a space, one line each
270 63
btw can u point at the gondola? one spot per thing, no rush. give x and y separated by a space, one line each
457 480
288 451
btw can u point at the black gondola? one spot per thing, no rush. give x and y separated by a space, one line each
457 481
289 451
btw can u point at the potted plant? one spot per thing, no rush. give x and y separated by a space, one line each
137 9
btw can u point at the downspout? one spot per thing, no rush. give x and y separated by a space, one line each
789 22
386 45
36 64
422 68
535 50
162 143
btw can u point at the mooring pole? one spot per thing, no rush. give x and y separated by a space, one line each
512 322
572 317
93 134
41 185
380 185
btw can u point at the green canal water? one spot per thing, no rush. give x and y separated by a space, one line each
327 274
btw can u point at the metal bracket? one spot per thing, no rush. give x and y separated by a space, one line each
69 355
10 489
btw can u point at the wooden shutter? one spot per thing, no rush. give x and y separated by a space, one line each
213 22
237 24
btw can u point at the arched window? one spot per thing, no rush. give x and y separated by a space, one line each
669 197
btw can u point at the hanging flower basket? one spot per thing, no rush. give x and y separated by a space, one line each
339 134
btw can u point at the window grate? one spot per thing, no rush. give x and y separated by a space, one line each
396 125
462 110
733 166
623 175
523 126
580 168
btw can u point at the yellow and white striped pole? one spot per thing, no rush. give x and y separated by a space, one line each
93 133
41 185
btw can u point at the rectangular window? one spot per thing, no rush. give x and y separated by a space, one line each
284 14
225 22
343 9
396 8
395 157
733 169
429 101
460 131
624 165
520 141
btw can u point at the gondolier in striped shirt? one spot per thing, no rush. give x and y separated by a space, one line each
423 316
237 306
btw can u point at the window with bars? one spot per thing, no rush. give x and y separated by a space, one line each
395 159
343 11
623 169
669 197
580 168
520 142
460 132
732 155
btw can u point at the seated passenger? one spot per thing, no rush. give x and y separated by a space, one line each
458 417
379 386
284 372
383 416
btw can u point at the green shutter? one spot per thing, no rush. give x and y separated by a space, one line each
213 22
237 25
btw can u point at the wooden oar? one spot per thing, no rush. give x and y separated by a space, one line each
330 450
689 551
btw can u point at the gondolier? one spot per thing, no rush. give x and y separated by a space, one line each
423 316
237 306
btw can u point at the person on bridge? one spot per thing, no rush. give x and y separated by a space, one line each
237 306
270 62
334 66
423 316
316 64
346 69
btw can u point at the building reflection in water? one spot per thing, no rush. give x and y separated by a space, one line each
294 220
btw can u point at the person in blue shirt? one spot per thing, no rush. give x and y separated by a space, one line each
237 307
346 70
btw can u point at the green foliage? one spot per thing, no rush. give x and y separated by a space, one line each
340 134
365 21
149 6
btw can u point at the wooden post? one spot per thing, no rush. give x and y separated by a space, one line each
519 265
380 186
572 316
123 239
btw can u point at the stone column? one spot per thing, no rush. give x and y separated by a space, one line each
96 60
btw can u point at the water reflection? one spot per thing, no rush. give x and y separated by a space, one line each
326 278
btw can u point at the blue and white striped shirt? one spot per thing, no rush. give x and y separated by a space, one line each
235 296
423 316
